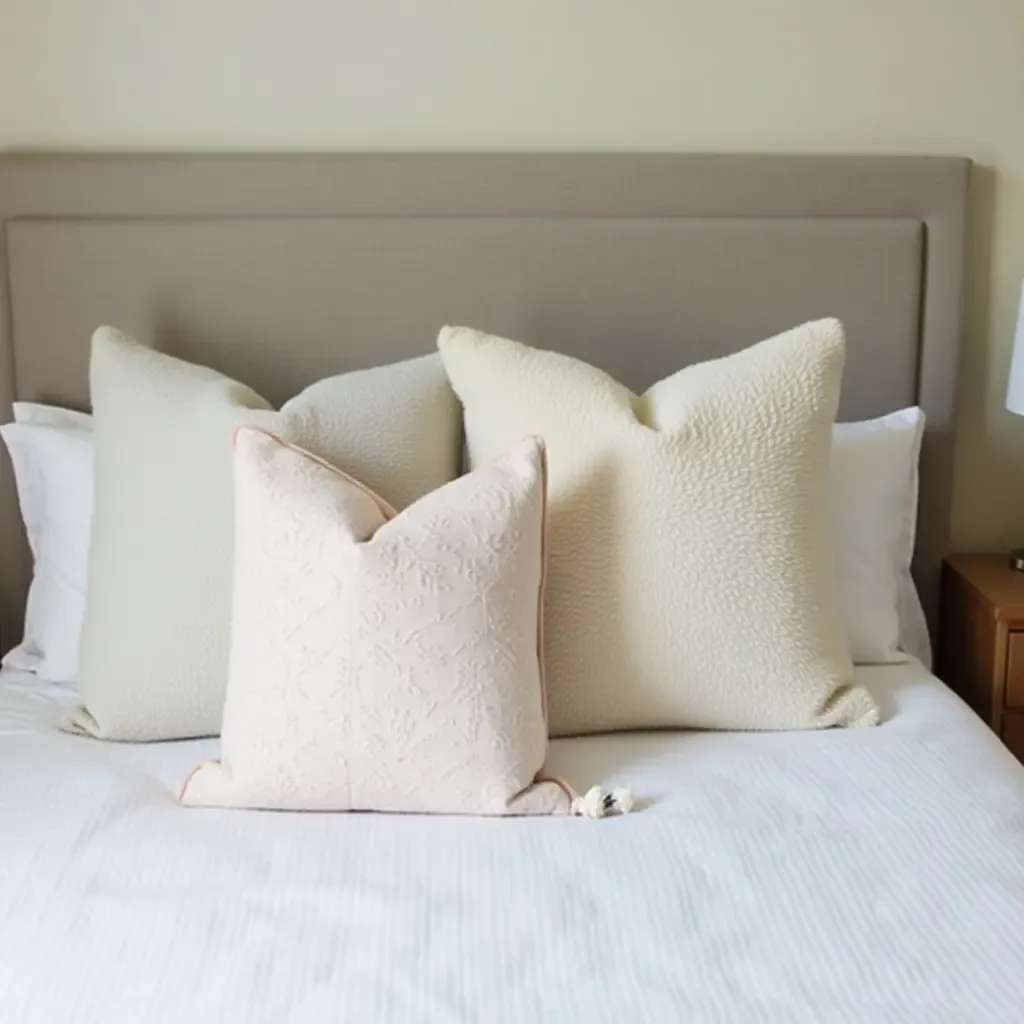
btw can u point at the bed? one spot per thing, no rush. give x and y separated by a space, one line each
843 875
868 875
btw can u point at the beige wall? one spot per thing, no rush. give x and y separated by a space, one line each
907 76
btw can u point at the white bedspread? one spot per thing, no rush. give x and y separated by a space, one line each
866 876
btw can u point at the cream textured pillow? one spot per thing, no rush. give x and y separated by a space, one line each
691 572
383 662
154 645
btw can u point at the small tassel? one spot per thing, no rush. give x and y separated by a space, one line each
595 803
622 799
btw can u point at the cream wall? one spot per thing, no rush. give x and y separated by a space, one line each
906 76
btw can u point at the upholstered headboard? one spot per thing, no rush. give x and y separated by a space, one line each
282 269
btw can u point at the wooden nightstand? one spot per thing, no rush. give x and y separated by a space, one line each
981 640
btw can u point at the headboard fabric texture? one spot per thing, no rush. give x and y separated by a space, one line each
279 270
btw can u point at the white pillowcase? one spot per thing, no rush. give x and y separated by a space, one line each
37 415
51 452
874 514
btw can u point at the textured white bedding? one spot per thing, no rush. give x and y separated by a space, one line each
864 876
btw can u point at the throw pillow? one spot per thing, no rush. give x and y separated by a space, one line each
154 645
383 661
691 568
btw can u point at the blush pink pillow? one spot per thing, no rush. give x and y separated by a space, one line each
384 662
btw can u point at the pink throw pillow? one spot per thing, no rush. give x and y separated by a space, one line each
384 662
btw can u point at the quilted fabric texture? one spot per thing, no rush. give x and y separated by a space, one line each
382 662
691 576
154 645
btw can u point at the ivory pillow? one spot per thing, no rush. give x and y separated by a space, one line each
691 570
154 644
383 662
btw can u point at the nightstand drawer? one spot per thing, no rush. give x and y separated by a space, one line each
1013 734
1015 671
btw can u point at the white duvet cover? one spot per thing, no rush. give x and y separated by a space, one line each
866 876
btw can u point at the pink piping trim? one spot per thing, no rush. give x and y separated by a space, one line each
385 509
543 576
191 774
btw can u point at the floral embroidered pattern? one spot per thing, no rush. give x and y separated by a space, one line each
384 661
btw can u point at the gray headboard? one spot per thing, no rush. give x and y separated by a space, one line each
282 269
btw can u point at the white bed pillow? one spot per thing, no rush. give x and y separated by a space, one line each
874 513
154 649
51 453
39 415
383 661
691 567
